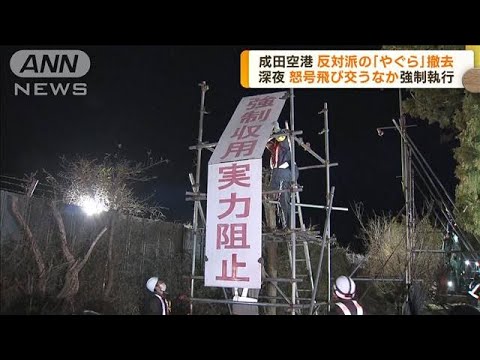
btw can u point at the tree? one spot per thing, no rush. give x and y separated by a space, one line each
467 156
457 111
386 255
106 185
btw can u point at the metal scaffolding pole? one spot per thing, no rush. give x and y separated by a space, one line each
327 183
196 187
319 268
292 198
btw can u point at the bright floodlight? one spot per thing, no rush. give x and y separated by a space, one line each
450 283
455 238
467 262
477 264
91 206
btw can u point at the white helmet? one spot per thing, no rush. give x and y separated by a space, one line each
344 287
151 283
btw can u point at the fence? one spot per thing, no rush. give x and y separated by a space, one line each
141 248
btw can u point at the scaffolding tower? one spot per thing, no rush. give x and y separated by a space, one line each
301 299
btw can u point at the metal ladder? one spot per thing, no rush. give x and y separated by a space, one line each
302 262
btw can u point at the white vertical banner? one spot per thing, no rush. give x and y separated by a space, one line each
249 128
233 245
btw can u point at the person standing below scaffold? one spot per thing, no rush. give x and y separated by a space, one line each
281 177
156 303
344 292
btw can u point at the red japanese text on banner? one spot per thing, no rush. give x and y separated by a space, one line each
249 128
233 245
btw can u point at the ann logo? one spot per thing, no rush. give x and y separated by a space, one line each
59 64
50 63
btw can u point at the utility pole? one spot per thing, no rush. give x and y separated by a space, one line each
407 185
327 184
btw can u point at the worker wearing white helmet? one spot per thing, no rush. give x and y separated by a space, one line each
344 291
157 303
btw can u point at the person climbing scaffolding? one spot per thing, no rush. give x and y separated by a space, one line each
281 176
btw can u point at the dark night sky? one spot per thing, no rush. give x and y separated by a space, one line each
146 97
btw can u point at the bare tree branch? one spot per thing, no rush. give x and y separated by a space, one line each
42 283
89 252
63 235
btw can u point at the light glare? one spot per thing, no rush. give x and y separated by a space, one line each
91 206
